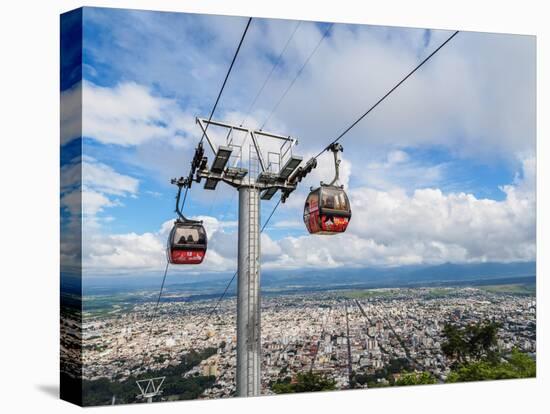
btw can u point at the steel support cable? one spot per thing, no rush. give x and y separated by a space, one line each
220 94
397 85
184 198
201 325
325 33
154 315
270 215
266 80
226 77
215 307
275 65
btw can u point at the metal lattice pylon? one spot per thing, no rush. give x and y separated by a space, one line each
150 388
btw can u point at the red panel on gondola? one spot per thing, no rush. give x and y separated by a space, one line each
187 256
334 224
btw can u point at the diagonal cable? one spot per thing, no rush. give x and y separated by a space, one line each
397 85
275 65
226 77
325 33
215 307
154 315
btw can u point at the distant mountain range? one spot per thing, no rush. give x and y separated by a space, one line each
447 274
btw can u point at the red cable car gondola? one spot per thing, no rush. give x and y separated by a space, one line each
187 242
327 209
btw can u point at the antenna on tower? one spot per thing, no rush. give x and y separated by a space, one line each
150 388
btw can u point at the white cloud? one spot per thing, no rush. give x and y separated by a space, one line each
388 228
127 114
94 202
286 224
105 179
103 187
397 157
271 250
122 251
88 187
428 226
470 98
398 170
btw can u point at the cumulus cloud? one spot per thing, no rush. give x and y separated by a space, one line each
427 226
105 179
398 170
388 228
129 114
88 187
121 252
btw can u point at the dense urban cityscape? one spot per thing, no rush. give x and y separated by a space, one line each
340 334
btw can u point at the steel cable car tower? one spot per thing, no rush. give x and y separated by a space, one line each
267 172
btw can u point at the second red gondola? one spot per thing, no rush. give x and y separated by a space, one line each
327 209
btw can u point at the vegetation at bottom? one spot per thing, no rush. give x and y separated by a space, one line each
515 365
304 382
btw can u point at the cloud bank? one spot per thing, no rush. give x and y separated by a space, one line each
388 228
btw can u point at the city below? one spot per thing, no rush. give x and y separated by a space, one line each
340 334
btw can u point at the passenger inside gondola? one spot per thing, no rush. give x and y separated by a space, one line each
187 243
340 202
328 201
334 200
187 236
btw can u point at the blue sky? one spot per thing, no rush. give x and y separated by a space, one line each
458 137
